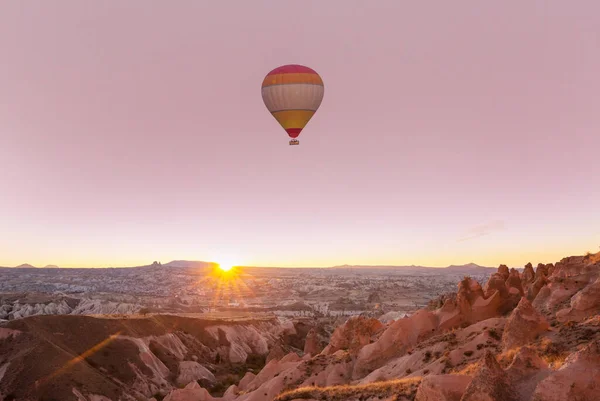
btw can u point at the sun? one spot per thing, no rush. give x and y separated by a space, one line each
225 267
226 264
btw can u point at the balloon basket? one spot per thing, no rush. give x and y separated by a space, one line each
294 142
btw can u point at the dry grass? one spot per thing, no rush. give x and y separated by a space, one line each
555 361
468 370
554 354
406 388
595 258
506 358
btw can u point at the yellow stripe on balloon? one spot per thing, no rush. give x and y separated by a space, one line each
293 118
295 78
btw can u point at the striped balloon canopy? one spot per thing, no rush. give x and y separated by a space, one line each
293 93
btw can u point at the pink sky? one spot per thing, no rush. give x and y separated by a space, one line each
135 131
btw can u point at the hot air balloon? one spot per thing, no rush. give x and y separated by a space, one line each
293 93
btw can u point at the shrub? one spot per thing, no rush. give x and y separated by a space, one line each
494 334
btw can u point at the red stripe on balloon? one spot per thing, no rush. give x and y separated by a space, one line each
292 69
293 132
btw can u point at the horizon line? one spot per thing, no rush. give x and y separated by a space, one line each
338 266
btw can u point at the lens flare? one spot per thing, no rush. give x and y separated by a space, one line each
225 267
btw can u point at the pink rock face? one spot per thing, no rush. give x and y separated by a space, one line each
272 370
514 281
584 304
442 388
470 289
503 270
247 379
395 341
578 379
472 306
335 370
276 352
523 325
490 383
191 371
528 274
312 344
353 335
580 268
526 371
5 333
230 393
483 308
323 370
541 270
291 357
450 315
555 293
475 289
191 392
496 282
507 299
535 287
541 300
525 363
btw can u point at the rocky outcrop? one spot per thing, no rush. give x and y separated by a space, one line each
191 392
237 342
276 352
247 379
514 281
353 335
541 270
506 300
190 371
523 325
473 304
525 364
490 383
470 289
584 304
395 341
534 288
578 379
442 388
528 275
19 310
503 271
312 344
567 278
526 371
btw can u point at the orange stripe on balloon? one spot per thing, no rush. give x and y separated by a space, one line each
299 78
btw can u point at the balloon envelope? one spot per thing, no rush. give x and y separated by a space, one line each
293 93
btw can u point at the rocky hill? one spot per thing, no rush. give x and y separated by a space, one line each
524 336
70 357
